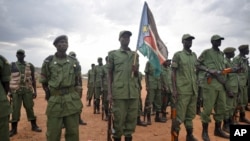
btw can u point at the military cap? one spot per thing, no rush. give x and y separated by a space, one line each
242 47
124 32
72 53
99 58
61 37
229 50
216 37
187 36
20 51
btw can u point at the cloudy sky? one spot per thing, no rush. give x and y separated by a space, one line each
93 25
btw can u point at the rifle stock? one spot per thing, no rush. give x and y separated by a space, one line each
110 122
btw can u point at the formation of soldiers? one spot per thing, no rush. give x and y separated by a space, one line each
216 81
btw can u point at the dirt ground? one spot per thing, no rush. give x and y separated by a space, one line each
96 129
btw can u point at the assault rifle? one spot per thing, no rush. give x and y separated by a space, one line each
174 132
110 122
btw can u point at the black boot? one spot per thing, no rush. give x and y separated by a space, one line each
117 139
226 126
13 130
34 126
205 136
81 122
218 132
164 116
157 117
243 118
190 136
149 119
141 123
128 138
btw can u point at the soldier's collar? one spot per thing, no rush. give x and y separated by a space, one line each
121 49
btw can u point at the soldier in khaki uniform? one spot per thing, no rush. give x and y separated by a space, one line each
185 87
79 87
242 61
59 77
5 109
98 79
91 84
123 75
210 63
22 91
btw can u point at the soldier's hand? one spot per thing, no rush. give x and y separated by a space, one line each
34 95
10 95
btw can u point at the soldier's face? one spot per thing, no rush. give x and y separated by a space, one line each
125 39
216 43
20 56
62 45
187 43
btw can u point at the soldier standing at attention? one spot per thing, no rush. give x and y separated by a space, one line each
91 84
98 76
242 61
153 87
123 74
5 109
231 86
211 62
105 101
78 87
184 81
166 90
59 77
22 91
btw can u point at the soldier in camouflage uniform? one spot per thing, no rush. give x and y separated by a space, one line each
23 91
5 109
59 76
123 74
242 61
91 84
98 76
79 88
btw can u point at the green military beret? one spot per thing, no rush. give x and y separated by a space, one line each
72 53
229 50
62 37
124 32
20 51
216 37
187 36
242 47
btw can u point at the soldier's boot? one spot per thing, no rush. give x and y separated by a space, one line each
164 116
149 119
243 118
158 118
117 139
13 130
34 126
205 136
190 136
95 107
106 115
98 106
128 138
218 131
141 123
247 108
226 125
89 104
81 122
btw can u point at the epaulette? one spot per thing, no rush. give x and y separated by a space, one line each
49 59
